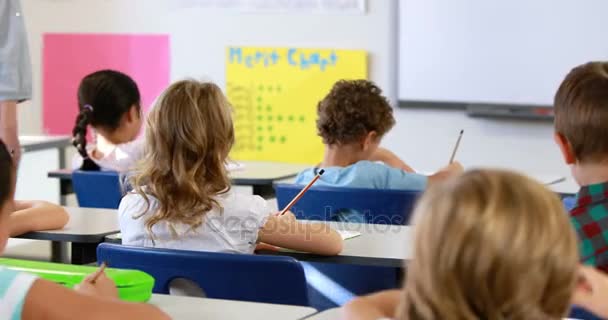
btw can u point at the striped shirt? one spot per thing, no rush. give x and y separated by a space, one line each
13 290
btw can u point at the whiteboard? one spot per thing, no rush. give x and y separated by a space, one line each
481 51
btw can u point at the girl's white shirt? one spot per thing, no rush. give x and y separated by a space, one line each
232 227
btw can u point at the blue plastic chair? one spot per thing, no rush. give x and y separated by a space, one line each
97 189
582 314
269 279
380 206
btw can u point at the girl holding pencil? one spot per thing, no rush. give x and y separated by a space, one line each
24 296
182 197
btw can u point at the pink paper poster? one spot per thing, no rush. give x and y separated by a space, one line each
67 58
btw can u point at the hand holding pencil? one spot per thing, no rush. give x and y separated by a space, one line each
301 193
98 284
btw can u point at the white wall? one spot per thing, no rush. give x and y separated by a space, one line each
423 137
199 36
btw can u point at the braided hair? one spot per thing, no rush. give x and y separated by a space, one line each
103 98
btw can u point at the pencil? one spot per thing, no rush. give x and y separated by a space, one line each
98 272
301 193
456 146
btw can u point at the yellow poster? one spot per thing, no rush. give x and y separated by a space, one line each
275 92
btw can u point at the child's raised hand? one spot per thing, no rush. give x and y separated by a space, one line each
103 286
453 169
591 291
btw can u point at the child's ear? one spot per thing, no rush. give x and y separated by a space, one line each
133 114
370 139
565 147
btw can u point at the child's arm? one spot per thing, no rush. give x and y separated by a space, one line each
35 216
49 301
591 292
376 306
286 232
390 159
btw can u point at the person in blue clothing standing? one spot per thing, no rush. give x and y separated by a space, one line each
15 72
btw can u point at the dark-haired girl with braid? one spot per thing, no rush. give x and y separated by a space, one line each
109 102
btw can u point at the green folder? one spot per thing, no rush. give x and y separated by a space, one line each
133 285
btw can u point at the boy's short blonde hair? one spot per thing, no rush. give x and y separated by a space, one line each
581 111
490 245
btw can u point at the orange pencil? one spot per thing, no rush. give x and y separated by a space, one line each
98 272
297 198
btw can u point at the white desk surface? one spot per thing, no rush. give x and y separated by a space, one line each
378 245
336 314
377 241
329 314
30 143
386 245
186 308
267 170
85 225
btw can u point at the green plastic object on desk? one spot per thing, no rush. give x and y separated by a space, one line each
133 285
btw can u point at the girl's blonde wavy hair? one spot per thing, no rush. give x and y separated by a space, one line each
490 245
188 137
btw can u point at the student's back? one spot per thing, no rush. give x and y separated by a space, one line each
183 198
581 131
352 120
232 229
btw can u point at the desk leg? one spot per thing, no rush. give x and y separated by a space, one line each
264 191
62 164
59 252
84 253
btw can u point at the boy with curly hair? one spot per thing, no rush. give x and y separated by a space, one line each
352 120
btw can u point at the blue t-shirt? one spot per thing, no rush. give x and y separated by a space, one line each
14 287
364 174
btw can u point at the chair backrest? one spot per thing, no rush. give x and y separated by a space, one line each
97 189
269 279
380 206
582 314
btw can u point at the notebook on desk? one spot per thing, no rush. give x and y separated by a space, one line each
345 234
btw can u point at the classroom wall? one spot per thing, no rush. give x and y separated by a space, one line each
199 36
423 137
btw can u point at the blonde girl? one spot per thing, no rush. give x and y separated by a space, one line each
488 245
182 197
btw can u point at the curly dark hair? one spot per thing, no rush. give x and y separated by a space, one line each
352 109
